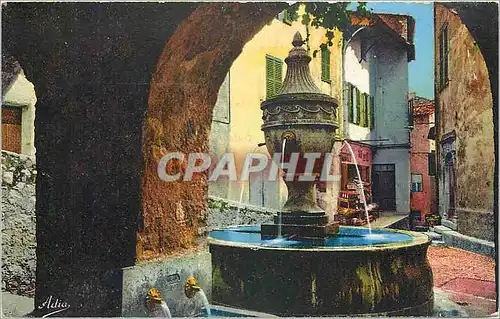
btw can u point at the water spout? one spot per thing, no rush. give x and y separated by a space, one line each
165 309
204 299
191 287
282 159
361 189
154 299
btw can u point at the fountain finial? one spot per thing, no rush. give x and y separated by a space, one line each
298 77
297 40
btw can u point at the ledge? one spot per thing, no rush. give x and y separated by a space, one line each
472 244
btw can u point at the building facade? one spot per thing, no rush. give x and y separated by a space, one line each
464 128
422 159
255 76
376 107
18 109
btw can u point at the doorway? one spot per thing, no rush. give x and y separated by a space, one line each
384 186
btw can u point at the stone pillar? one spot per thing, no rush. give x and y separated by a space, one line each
100 206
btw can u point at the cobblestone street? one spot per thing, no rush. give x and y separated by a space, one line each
469 278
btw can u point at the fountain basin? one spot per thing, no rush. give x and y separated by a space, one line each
221 311
352 273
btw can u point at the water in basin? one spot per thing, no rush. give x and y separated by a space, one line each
228 312
347 237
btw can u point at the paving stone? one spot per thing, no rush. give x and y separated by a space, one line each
480 288
16 306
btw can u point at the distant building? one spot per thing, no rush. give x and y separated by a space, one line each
376 121
18 109
422 158
255 76
464 128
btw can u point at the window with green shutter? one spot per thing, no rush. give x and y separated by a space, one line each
372 112
287 17
325 64
350 102
274 73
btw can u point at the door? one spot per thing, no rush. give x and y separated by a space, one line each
449 187
384 186
11 128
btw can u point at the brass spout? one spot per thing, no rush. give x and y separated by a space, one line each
154 296
191 287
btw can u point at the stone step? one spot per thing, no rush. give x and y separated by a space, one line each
438 243
434 235
440 229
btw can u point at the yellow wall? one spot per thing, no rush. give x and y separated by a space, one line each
248 85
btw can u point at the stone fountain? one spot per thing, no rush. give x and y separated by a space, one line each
317 268
303 119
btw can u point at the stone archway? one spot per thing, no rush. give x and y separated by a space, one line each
184 89
96 178
92 66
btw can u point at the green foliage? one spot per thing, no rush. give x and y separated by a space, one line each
327 15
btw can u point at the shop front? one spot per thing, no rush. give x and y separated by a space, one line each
351 210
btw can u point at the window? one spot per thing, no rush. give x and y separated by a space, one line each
287 17
432 163
360 107
325 64
416 182
443 57
11 128
372 112
274 71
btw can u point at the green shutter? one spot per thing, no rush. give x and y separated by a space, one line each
278 71
443 57
274 73
358 106
368 122
350 102
372 112
362 109
269 77
445 40
367 110
325 64
287 17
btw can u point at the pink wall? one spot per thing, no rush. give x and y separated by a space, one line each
362 153
420 147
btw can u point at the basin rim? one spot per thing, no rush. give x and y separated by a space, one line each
418 240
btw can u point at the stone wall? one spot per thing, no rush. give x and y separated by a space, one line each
465 132
223 213
18 220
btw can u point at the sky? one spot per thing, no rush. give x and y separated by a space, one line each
421 70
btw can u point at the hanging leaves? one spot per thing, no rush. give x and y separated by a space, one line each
329 16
